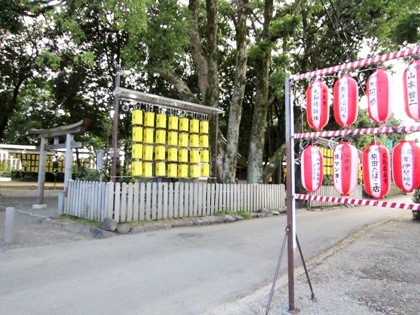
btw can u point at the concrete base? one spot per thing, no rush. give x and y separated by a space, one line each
39 206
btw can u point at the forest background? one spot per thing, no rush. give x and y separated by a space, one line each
58 62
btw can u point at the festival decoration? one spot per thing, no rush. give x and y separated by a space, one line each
379 94
411 86
345 102
376 164
312 168
317 109
406 165
345 168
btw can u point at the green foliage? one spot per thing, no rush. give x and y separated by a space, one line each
416 196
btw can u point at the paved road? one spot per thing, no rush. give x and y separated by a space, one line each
177 271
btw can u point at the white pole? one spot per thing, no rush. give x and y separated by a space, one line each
8 225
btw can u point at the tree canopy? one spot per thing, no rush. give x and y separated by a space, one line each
58 62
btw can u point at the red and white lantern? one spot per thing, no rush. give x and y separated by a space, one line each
317 109
345 168
379 95
376 163
312 167
406 165
346 97
411 85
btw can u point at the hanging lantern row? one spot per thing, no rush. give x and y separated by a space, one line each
376 166
169 146
379 95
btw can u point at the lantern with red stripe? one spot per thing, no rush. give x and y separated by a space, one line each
312 166
317 109
346 96
406 165
376 165
345 168
411 85
379 94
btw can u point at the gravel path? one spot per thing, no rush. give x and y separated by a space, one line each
375 271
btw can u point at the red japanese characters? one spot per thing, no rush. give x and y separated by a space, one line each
376 163
345 168
346 97
312 166
379 94
317 109
411 85
406 165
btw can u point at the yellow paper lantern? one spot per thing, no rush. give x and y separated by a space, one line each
160 169
194 141
149 119
204 126
160 136
148 134
148 152
184 124
183 170
172 170
173 138
160 152
147 169
137 151
194 156
205 170
137 134
137 168
173 123
183 155
161 121
137 117
172 154
204 141
204 156
195 171
194 126
183 139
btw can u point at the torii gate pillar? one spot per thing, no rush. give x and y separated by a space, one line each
44 134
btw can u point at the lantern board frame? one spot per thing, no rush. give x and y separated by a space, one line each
290 160
159 101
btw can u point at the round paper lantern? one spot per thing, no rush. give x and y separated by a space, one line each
411 86
376 163
312 168
346 97
406 165
345 168
379 95
317 109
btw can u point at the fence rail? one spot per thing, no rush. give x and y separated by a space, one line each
153 201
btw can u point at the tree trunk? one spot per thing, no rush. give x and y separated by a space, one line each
262 65
235 112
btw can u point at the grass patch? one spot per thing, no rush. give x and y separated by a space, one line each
79 220
244 214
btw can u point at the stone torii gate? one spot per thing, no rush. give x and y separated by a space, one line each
69 131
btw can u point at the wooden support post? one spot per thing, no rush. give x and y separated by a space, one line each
41 175
68 162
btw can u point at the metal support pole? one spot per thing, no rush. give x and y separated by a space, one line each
115 126
290 194
9 225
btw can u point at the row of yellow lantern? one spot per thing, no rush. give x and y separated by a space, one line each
172 138
171 170
172 154
162 121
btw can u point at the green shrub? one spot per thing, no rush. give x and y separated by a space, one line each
416 196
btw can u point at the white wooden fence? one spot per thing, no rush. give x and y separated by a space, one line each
153 201
331 191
